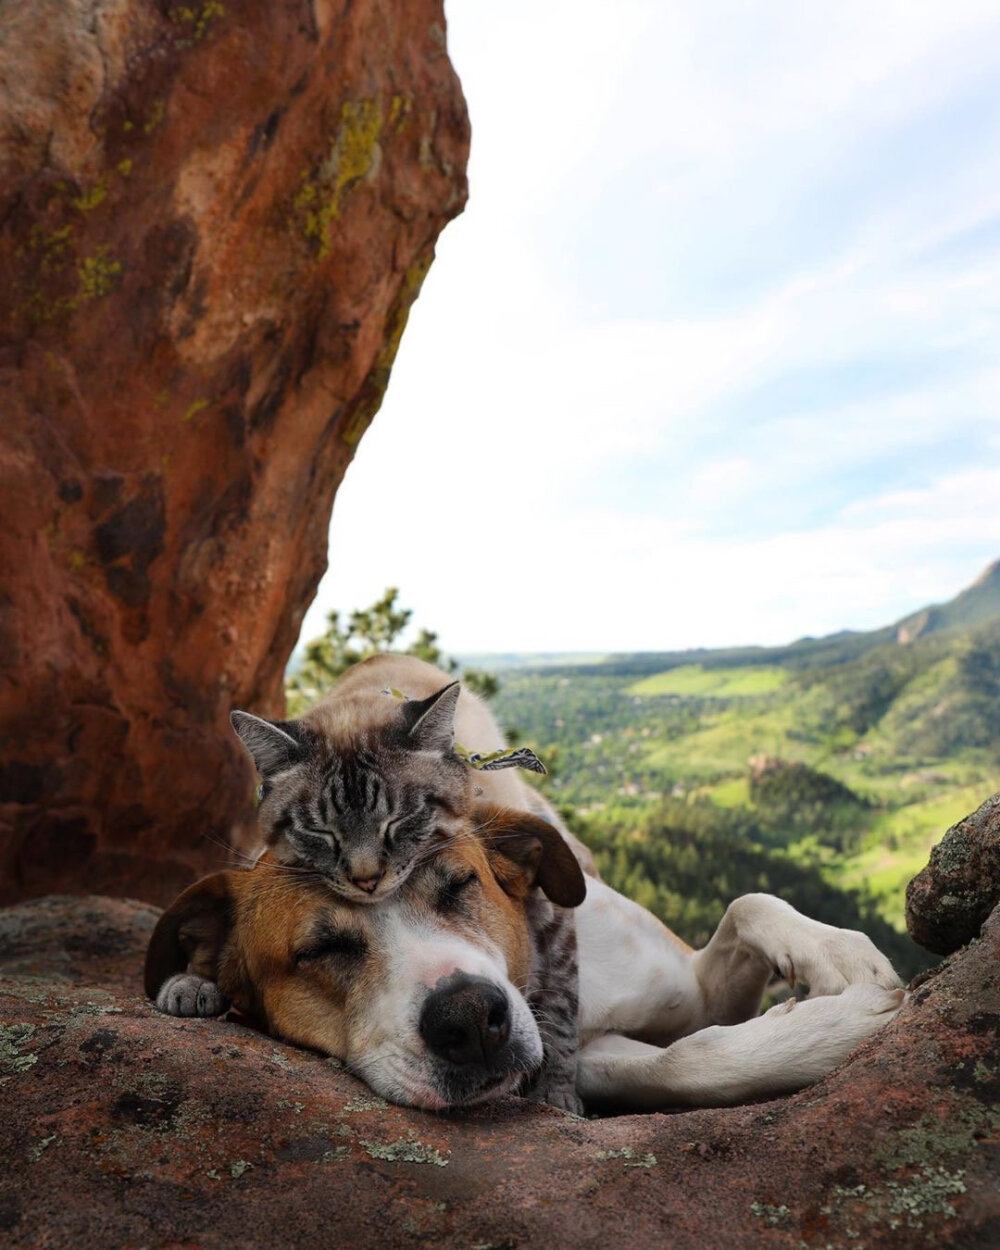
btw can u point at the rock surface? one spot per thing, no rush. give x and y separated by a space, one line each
213 221
124 1127
949 901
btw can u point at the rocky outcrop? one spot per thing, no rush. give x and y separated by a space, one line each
124 1127
213 221
948 902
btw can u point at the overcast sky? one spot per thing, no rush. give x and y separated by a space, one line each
713 355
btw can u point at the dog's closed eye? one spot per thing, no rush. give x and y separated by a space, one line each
455 891
346 948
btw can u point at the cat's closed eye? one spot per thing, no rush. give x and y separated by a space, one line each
318 835
392 829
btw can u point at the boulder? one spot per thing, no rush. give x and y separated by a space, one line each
948 902
125 1127
214 219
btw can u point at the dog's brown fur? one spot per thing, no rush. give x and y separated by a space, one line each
247 930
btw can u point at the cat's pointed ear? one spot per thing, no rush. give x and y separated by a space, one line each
273 745
432 721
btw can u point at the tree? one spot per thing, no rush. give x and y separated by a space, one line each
367 632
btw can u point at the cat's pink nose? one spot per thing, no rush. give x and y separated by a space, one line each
367 884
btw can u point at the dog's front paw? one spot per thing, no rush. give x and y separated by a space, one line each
860 1011
186 994
833 959
816 1034
844 1020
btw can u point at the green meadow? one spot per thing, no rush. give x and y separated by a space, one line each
825 770
693 679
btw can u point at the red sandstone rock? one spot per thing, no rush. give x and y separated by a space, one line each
213 222
124 1127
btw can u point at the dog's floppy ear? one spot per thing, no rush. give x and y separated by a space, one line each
536 848
191 932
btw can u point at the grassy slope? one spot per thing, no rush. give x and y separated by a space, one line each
917 799
690 730
720 683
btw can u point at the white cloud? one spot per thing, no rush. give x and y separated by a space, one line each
486 488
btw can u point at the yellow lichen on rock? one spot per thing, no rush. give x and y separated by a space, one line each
92 196
352 156
97 274
399 110
198 19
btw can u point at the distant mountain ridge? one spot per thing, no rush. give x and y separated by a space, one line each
976 605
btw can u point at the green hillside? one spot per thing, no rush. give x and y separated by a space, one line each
716 683
824 770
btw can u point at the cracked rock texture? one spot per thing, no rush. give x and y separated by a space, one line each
125 1127
948 902
214 218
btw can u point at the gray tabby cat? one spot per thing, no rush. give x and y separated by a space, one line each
359 789
364 786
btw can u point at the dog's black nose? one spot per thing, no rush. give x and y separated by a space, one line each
465 1019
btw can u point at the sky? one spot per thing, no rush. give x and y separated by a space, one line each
713 355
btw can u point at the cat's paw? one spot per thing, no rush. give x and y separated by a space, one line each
561 1095
187 994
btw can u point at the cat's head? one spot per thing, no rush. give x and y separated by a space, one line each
360 788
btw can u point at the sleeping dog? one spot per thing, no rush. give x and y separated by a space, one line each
423 994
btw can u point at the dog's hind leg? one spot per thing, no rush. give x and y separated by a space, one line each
787 1048
760 936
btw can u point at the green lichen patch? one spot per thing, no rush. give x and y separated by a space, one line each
237 1169
40 1147
405 1150
772 1216
366 1102
630 1159
91 1009
12 1038
337 1155
925 1194
924 1190
936 1139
